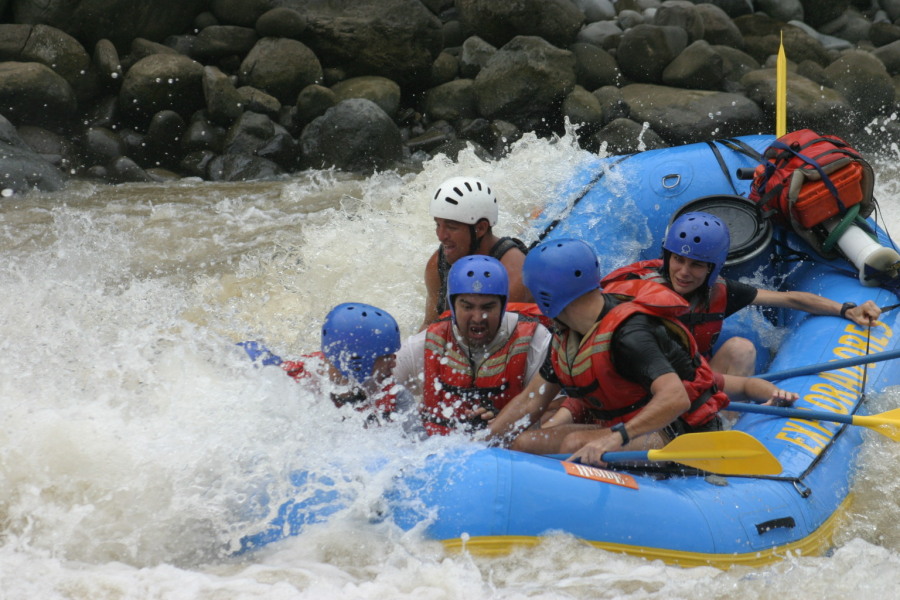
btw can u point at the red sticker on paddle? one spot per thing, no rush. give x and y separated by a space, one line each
603 475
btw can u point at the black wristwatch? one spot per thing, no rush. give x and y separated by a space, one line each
620 428
845 307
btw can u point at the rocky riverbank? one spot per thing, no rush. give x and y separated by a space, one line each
126 90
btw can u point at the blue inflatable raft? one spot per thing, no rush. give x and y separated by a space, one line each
488 500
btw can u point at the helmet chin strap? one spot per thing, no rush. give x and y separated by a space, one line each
476 241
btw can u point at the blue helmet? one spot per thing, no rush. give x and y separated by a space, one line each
355 335
477 274
699 236
559 271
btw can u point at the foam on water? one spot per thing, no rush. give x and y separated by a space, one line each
139 444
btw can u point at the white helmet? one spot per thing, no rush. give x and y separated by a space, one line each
465 199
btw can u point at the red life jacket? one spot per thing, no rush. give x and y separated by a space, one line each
451 388
384 404
587 371
526 309
703 320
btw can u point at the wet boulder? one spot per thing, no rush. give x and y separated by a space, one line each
280 67
451 101
33 94
397 39
118 20
686 116
864 81
645 51
594 66
698 67
380 90
354 135
499 21
21 168
524 80
162 82
624 136
51 47
810 104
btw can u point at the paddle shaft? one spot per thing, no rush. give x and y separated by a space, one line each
725 452
790 413
643 456
831 365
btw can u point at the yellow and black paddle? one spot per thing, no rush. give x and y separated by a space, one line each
723 452
886 423
781 90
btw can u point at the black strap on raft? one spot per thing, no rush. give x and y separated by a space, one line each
736 146
587 188
840 149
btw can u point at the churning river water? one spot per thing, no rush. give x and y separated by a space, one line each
135 434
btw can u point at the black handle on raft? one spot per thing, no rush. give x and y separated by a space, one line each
746 172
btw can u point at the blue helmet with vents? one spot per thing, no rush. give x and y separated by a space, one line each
355 335
559 271
699 236
477 274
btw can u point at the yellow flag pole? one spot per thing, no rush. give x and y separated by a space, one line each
781 91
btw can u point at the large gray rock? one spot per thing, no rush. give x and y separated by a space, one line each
735 63
782 10
313 101
733 8
594 67
51 47
718 27
281 22
864 82
107 65
809 104
699 67
798 45
220 41
681 14
596 10
33 94
162 82
119 20
584 110
603 34
685 116
451 101
819 12
646 50
473 55
21 168
353 135
223 102
281 67
524 80
58 150
242 167
499 21
889 55
239 12
397 39
380 90
624 136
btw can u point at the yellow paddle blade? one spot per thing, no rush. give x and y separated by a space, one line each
781 91
725 452
886 423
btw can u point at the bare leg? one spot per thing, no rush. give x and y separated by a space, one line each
737 356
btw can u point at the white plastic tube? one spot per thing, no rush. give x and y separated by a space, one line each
865 253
